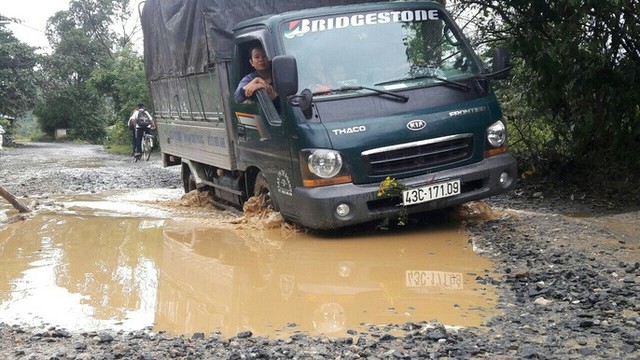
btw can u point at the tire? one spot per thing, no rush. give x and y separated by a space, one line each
146 148
261 187
188 181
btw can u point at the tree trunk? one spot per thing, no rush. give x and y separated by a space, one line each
12 199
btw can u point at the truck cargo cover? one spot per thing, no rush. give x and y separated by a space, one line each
182 37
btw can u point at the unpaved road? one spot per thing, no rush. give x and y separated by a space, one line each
567 279
35 169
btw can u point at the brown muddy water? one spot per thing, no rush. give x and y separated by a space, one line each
133 260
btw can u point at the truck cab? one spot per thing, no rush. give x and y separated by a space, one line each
383 109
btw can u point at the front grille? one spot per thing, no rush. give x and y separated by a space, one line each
419 155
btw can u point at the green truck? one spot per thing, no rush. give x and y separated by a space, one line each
405 120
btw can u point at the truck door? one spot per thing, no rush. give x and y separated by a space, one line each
262 140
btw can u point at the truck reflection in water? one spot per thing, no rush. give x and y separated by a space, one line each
275 283
94 265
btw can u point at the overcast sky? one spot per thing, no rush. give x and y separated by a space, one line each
34 15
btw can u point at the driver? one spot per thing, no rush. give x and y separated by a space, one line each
258 79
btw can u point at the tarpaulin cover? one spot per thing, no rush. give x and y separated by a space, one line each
182 37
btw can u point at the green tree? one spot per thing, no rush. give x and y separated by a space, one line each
123 81
18 85
80 93
75 109
573 97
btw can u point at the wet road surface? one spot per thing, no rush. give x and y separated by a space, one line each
118 258
133 259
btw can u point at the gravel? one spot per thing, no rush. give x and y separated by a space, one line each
37 169
568 286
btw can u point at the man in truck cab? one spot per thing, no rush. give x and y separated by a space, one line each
259 78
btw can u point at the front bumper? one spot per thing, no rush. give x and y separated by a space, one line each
479 180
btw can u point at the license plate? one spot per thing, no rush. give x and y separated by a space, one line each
431 192
427 278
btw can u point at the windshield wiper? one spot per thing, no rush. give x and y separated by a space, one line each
455 84
399 97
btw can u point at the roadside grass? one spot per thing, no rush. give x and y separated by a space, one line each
118 149
118 140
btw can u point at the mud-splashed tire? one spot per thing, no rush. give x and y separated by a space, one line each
261 187
188 181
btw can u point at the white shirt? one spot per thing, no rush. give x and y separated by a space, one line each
134 117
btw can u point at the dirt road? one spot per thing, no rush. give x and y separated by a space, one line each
567 276
48 168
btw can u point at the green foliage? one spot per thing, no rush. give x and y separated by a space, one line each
532 139
18 85
119 138
390 187
94 79
124 82
573 99
27 127
74 109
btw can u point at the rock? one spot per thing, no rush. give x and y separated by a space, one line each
627 348
19 353
104 338
436 334
542 301
556 285
586 351
529 353
587 323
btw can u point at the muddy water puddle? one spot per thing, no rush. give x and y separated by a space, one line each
133 260
621 233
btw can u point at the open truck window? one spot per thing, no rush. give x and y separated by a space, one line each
243 65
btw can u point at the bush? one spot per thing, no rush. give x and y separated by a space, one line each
119 138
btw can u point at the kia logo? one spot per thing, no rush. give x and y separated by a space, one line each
416 125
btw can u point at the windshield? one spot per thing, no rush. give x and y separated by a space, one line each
385 49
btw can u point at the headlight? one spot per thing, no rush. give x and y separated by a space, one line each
321 167
325 163
497 134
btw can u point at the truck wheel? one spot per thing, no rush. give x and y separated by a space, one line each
262 188
188 181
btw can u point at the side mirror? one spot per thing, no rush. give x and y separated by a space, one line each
501 63
284 73
304 101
